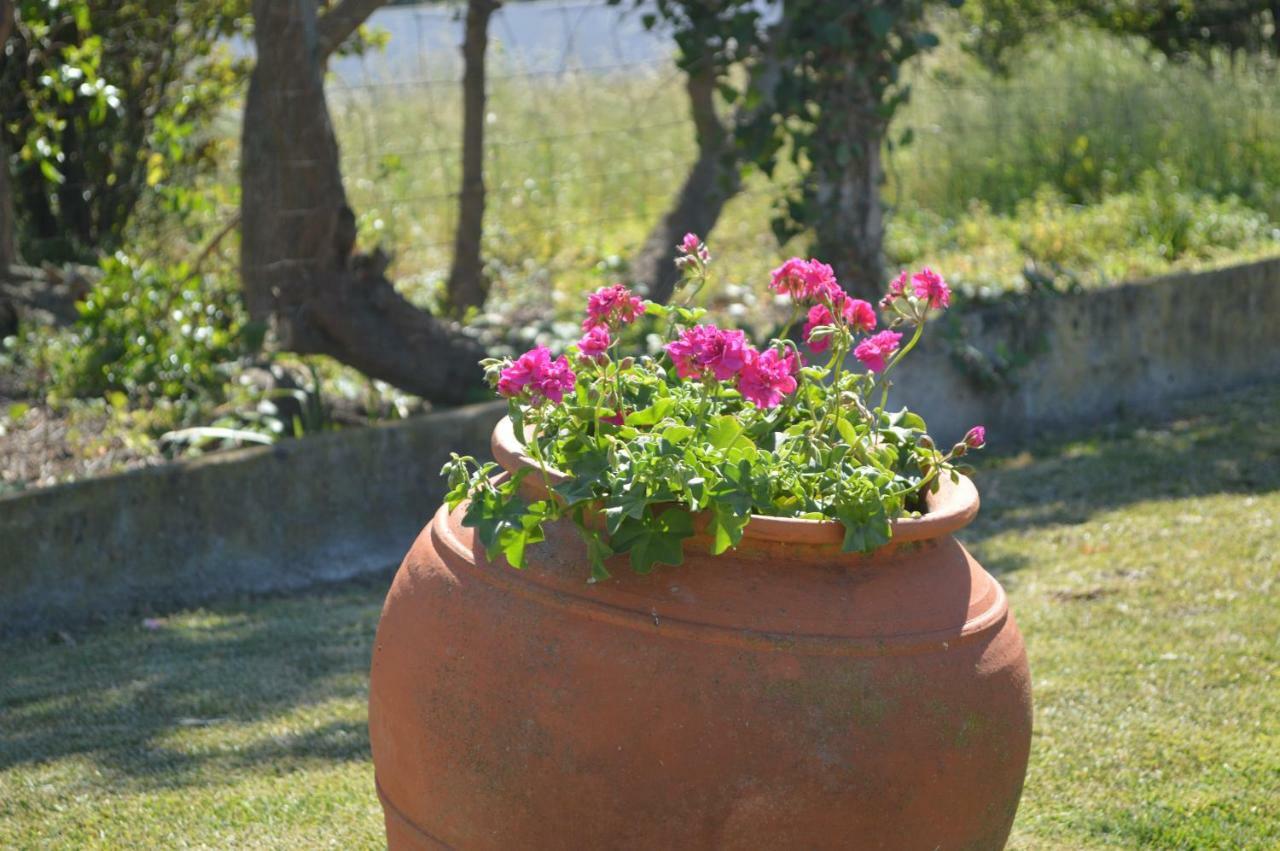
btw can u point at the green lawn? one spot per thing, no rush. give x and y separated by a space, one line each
1142 564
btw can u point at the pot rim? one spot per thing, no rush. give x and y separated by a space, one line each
950 509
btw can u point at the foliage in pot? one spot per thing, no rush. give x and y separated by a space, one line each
716 431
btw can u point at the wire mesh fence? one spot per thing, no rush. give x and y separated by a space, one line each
588 137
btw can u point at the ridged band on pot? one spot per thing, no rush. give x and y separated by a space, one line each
783 694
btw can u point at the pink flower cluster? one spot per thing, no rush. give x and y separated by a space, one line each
535 373
876 349
805 280
705 349
595 342
767 377
926 285
857 314
612 307
929 285
693 252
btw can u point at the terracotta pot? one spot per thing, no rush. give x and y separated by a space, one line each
782 695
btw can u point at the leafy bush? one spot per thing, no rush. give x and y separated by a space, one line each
155 331
104 103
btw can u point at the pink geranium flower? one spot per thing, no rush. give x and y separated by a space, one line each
705 349
536 374
860 315
805 280
693 246
976 437
595 342
929 285
874 350
857 314
612 307
789 278
897 289
767 377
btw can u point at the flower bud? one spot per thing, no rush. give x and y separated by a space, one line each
976 437
925 442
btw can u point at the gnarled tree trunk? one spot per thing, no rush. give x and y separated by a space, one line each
711 182
467 286
299 272
845 181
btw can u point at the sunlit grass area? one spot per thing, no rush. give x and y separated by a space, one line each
1141 562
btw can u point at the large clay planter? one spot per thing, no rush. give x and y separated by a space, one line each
783 695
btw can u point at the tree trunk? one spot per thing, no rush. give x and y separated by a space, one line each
298 271
467 286
845 183
8 244
712 181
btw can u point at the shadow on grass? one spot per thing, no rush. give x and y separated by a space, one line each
1227 444
168 707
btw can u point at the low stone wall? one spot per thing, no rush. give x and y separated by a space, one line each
349 503
1098 355
264 519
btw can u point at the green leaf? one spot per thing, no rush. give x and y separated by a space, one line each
51 173
653 414
628 505
726 526
656 538
513 540
847 432
866 525
723 431
588 471
505 523
677 433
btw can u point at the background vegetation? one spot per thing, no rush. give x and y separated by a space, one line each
1080 158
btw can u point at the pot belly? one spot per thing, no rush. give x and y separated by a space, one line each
506 712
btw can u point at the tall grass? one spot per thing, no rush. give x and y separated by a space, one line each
1095 161
1088 114
577 168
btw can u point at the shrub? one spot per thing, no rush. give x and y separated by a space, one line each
155 331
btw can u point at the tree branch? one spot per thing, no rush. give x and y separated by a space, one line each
340 21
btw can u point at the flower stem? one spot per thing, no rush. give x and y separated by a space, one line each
884 376
838 354
536 451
